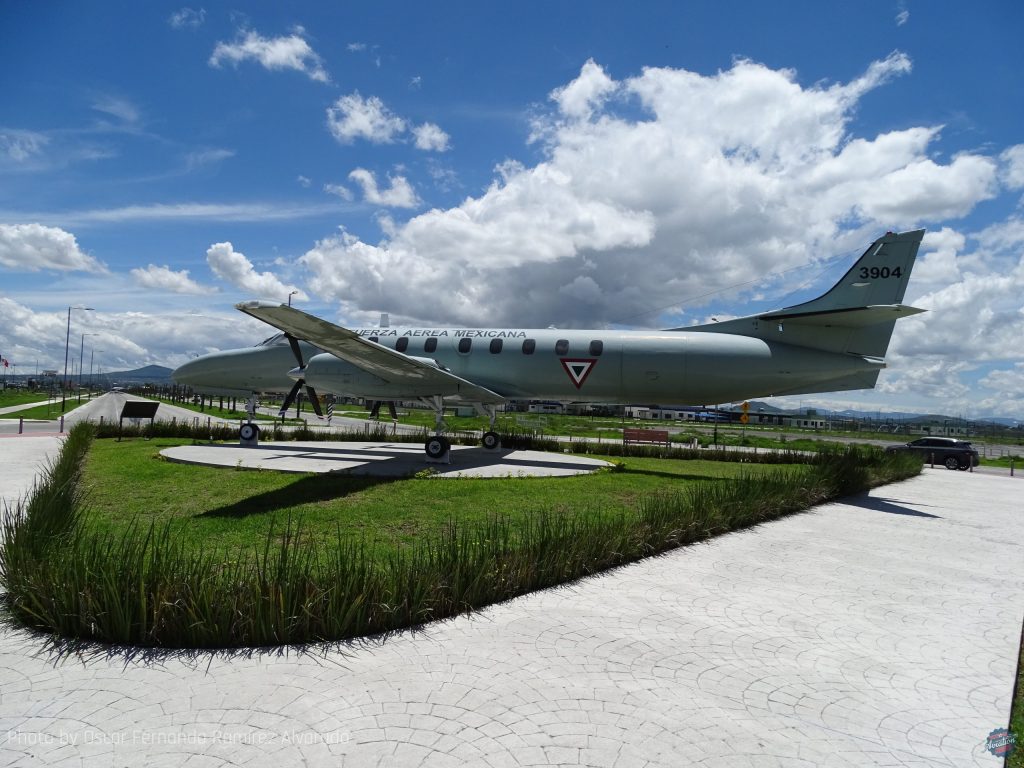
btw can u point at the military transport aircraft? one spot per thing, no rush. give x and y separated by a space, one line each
835 342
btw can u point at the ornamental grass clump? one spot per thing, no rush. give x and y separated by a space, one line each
145 586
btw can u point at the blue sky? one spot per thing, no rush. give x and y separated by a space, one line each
528 164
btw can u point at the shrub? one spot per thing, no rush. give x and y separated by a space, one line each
144 587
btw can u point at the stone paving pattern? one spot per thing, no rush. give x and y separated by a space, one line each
879 631
383 459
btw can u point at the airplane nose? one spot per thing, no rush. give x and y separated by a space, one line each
187 373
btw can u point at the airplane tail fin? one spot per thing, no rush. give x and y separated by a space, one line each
856 316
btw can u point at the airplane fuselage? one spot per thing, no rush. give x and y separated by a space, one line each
550 364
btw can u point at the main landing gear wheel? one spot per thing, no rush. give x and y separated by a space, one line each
952 462
491 441
248 432
437 446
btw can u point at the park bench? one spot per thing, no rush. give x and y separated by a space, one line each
645 437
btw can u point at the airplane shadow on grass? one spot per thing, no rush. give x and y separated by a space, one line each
307 490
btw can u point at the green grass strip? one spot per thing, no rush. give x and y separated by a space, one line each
144 586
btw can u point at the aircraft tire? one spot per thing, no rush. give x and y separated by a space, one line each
437 446
491 441
248 431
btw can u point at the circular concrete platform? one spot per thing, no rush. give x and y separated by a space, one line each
382 459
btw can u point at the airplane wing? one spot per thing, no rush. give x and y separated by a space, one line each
374 358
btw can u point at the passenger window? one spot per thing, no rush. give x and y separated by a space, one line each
374 339
465 345
562 347
402 344
430 345
596 348
496 345
529 345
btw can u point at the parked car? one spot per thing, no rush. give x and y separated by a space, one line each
948 451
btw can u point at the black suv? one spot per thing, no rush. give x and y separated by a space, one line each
948 451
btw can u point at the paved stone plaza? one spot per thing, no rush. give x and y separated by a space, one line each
879 631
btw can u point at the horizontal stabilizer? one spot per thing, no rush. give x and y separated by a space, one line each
857 317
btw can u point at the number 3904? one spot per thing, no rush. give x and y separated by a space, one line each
876 273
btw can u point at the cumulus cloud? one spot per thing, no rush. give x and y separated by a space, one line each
235 269
123 340
273 53
353 117
1012 171
165 279
430 137
586 93
399 195
32 247
972 286
659 187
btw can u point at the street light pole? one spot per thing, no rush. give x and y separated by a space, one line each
290 297
81 355
67 342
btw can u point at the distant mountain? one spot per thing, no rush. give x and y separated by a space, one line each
149 374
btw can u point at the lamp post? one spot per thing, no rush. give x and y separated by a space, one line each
67 342
290 297
81 354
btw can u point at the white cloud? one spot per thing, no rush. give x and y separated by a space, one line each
122 109
177 211
586 93
274 53
165 279
187 17
234 268
205 157
712 181
353 117
123 340
430 137
32 247
20 146
338 190
902 17
355 47
304 181
1012 172
399 195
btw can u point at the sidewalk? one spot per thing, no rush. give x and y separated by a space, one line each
881 630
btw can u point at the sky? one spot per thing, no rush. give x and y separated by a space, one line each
529 164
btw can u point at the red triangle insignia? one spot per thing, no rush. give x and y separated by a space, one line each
578 369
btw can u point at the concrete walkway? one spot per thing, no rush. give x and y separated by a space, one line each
879 631
382 459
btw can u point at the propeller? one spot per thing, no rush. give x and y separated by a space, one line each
299 382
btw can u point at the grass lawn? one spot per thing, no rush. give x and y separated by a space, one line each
9 397
226 508
49 412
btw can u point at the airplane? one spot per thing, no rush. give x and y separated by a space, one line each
835 342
